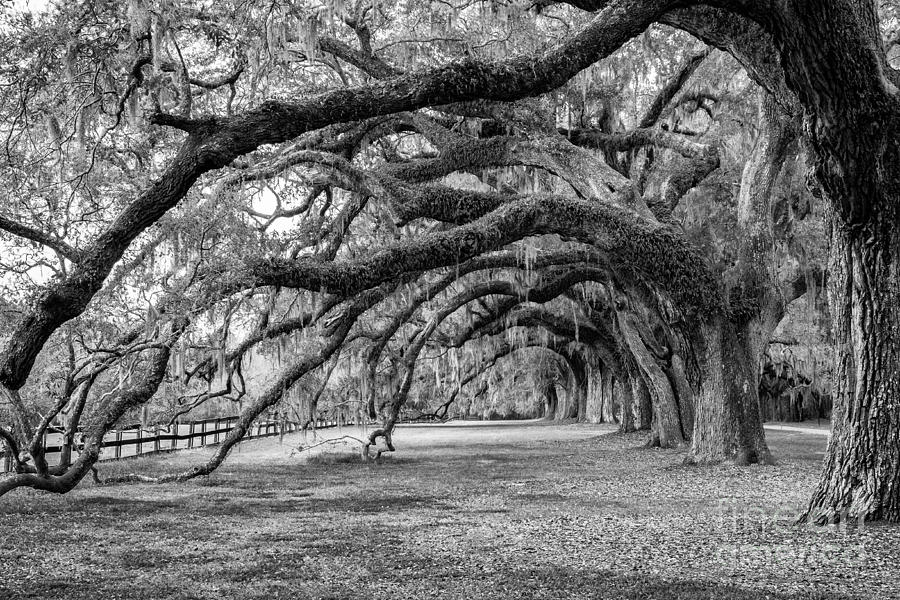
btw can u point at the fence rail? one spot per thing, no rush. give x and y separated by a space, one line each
128 443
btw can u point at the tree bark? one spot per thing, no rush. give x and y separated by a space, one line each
609 398
861 474
733 345
623 390
684 394
551 400
727 424
641 397
594 409
567 407
667 429
579 386
835 61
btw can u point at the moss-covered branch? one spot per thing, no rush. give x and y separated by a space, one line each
655 251
213 143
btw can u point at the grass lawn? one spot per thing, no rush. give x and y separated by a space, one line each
519 510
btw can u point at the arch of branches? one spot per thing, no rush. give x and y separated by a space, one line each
443 209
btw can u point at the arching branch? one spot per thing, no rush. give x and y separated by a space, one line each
36 235
214 142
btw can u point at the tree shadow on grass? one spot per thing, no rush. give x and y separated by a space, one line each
365 564
363 504
303 502
572 582
136 504
560 582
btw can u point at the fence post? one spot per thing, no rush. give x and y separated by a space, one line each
118 451
156 431
191 434
140 446
174 434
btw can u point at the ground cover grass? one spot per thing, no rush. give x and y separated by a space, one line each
518 510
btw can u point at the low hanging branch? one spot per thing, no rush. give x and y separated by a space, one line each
214 142
658 252
127 398
330 441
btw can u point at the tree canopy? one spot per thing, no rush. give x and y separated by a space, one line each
368 205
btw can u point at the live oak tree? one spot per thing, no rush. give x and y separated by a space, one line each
168 336
97 193
833 60
495 155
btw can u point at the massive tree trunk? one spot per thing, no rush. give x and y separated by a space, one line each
727 424
676 373
579 385
667 431
594 408
567 407
861 476
608 406
551 400
834 60
641 398
623 390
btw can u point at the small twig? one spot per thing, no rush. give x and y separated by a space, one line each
301 449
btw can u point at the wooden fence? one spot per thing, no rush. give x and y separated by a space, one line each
126 443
